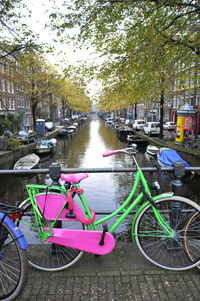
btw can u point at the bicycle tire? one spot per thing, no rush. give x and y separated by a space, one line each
43 255
165 252
13 266
193 227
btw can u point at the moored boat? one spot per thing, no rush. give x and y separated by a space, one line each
152 150
167 157
45 146
140 141
123 132
76 124
27 162
71 129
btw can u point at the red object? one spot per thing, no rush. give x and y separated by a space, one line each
188 123
15 216
77 190
89 221
70 200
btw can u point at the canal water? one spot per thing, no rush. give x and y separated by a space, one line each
104 191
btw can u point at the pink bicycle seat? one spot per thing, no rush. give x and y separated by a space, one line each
73 178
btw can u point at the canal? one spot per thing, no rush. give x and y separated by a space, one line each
103 191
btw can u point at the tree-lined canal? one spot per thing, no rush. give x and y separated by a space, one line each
103 191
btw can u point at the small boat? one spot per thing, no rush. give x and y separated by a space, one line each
76 124
123 132
167 157
62 132
71 129
137 140
66 131
27 162
152 150
45 146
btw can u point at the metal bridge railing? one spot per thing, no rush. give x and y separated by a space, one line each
56 166
55 170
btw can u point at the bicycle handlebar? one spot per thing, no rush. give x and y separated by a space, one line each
114 152
124 150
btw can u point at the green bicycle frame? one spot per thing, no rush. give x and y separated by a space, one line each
33 190
139 176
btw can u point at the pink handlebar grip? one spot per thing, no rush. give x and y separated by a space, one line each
114 152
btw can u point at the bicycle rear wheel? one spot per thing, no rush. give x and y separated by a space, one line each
153 241
13 265
44 255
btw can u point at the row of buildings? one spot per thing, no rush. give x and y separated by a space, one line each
173 101
12 101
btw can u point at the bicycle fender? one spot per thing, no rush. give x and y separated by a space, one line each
15 230
24 202
155 198
163 195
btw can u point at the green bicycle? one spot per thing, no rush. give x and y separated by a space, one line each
58 228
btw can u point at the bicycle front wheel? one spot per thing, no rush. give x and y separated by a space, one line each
154 242
44 255
13 265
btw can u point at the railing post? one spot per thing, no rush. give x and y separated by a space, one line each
179 172
54 173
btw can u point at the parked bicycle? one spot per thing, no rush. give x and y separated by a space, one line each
59 228
191 142
13 256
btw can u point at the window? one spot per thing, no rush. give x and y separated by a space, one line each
3 84
12 88
13 104
8 86
9 103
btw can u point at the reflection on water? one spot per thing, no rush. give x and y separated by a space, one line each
103 191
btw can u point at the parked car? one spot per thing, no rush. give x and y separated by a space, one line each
138 124
152 128
8 134
49 125
169 125
25 137
109 120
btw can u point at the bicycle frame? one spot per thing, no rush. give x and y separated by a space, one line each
86 210
139 176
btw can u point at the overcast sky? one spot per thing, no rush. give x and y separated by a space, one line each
40 11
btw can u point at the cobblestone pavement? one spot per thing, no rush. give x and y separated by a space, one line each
123 275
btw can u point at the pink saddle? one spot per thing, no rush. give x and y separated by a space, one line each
73 178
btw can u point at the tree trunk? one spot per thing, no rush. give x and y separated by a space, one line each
135 111
33 110
161 113
63 108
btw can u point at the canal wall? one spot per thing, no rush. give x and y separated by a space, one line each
7 158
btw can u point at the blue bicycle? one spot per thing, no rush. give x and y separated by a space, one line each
13 257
